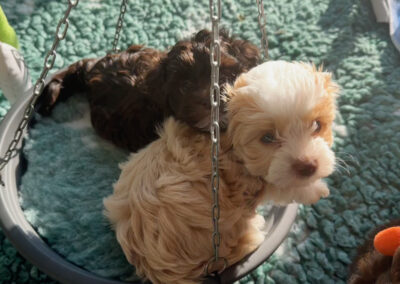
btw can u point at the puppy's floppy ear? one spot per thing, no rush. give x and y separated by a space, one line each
241 104
331 88
237 99
240 82
195 110
247 53
237 87
203 36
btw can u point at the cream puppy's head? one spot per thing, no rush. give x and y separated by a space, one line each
281 116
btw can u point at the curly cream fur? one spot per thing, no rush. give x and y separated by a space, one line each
161 205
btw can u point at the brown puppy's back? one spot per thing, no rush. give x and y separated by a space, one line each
132 92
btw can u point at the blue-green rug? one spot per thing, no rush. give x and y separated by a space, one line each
341 34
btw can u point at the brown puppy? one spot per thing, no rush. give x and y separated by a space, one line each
370 266
132 92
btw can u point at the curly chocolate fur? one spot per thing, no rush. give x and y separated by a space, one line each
370 266
132 92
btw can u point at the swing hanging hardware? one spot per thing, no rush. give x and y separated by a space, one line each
49 60
118 27
215 98
262 22
215 60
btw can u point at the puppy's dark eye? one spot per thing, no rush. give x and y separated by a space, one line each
316 126
268 138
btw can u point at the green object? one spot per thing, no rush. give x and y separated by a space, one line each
7 33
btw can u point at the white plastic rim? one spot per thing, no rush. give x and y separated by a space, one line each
31 246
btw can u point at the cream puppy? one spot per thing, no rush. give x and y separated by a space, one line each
276 148
292 107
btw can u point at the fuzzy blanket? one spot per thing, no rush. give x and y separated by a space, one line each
70 169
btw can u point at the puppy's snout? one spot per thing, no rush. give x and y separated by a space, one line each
305 168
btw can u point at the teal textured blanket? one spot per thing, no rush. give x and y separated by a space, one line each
340 34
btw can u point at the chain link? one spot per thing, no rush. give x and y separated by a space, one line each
215 60
118 27
37 90
262 22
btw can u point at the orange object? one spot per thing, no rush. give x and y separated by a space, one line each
387 241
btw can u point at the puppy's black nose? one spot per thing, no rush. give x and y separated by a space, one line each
305 168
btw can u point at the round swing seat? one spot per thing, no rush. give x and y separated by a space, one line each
31 246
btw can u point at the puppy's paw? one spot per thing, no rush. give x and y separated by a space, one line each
65 83
312 193
324 190
49 96
308 194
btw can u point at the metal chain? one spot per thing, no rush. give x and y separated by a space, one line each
262 21
49 60
118 27
215 60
